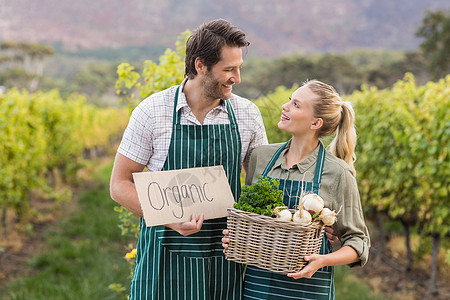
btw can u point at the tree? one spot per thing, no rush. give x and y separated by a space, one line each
436 31
154 77
96 79
386 75
338 71
261 77
27 56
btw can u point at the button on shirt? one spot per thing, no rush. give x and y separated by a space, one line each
147 137
338 189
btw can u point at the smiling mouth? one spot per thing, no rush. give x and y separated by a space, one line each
284 117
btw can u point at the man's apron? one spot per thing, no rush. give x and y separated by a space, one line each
170 266
262 284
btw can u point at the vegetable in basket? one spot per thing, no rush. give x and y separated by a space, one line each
302 216
282 213
261 197
328 216
313 203
310 209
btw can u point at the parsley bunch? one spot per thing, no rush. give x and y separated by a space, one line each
261 197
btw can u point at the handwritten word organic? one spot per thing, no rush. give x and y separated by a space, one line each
177 196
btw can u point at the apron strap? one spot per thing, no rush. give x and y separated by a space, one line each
274 159
319 168
176 115
317 172
231 114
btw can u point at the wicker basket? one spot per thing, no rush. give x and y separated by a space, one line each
269 243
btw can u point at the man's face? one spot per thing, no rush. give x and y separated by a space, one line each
218 81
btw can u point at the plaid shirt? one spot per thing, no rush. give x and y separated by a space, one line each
146 139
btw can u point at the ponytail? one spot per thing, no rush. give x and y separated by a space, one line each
338 116
344 143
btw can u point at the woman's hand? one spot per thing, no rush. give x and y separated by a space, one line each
315 262
225 239
188 228
344 256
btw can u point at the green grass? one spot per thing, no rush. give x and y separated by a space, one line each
83 254
349 287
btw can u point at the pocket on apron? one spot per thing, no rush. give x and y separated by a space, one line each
205 243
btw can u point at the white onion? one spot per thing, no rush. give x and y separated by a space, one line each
313 203
302 216
283 213
328 216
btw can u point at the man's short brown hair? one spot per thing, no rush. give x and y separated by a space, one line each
207 42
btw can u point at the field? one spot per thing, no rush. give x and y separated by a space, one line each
74 250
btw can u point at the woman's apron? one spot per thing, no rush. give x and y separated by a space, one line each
262 284
170 266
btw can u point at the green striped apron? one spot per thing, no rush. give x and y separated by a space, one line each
262 284
170 266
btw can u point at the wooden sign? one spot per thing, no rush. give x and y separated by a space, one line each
172 196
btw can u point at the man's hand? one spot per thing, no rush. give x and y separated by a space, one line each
331 235
188 228
225 239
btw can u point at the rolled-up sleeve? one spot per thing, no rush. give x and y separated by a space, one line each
136 142
350 227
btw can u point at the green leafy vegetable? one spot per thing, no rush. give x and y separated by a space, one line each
261 197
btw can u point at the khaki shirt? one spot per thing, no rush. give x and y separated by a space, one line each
338 189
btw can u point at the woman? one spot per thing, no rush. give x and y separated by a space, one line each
314 110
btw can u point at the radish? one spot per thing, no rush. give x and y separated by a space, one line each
328 216
302 216
313 203
282 213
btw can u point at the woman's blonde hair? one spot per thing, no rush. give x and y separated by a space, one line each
338 116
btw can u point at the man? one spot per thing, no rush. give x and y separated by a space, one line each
199 123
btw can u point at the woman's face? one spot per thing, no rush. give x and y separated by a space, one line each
297 116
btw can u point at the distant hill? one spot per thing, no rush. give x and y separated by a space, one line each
274 27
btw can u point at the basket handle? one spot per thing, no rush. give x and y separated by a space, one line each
318 233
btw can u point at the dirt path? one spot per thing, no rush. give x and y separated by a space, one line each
19 242
386 275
